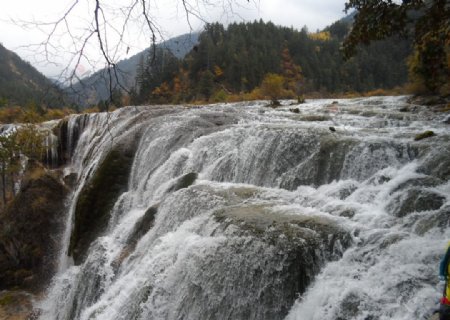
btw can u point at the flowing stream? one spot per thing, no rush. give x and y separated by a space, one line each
239 211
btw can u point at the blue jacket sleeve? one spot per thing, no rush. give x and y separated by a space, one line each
443 267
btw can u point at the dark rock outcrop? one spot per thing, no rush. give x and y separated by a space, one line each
29 230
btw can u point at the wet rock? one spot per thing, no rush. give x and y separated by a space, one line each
184 181
302 245
315 117
447 120
288 232
424 135
418 182
439 219
30 227
349 307
379 179
96 199
219 118
415 200
345 212
437 164
294 110
71 179
143 225
321 165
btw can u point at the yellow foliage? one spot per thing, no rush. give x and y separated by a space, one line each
218 72
320 36
93 109
272 86
255 94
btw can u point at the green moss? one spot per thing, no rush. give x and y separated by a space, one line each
424 135
97 199
6 299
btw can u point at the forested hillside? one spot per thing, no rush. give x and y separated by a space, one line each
235 60
21 83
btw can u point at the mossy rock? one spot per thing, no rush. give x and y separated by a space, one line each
424 135
30 229
97 198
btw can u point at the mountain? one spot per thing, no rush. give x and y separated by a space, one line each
21 83
95 87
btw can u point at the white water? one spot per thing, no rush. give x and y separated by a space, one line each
192 265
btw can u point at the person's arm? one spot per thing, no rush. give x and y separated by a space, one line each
443 267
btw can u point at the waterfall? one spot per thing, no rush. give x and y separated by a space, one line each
237 211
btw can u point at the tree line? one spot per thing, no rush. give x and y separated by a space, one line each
234 61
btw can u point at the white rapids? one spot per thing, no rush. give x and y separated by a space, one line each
334 212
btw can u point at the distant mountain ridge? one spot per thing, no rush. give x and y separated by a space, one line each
21 83
96 86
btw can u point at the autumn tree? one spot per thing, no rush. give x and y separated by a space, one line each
292 74
426 21
272 86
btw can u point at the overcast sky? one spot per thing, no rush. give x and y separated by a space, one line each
168 14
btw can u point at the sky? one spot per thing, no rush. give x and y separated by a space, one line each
26 23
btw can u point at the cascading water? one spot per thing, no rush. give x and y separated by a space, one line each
242 212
